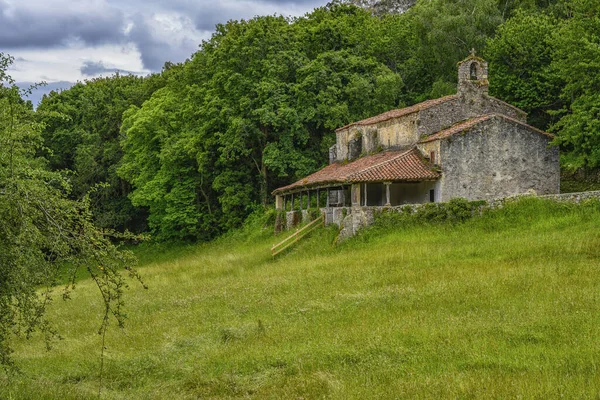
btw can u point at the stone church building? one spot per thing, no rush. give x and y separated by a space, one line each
468 145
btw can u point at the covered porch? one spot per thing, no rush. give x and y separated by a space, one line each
386 179
362 194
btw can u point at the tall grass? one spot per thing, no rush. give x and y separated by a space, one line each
504 305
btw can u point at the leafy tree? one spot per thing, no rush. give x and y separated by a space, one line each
577 63
253 109
43 234
521 66
446 31
81 131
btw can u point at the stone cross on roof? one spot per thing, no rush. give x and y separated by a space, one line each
473 52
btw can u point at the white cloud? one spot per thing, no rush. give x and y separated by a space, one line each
64 64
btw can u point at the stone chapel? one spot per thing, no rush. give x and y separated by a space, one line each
468 145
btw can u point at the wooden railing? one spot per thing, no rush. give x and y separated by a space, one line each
296 236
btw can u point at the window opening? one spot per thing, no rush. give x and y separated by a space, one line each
473 72
432 196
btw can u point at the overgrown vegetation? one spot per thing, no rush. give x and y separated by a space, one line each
504 305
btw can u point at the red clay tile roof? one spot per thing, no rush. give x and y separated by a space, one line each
405 165
468 124
400 112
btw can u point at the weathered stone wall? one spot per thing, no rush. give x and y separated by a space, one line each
398 132
368 138
492 105
361 217
472 76
439 117
335 215
342 137
409 129
498 158
351 219
573 197
292 218
444 115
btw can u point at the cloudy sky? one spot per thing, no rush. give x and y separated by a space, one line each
63 41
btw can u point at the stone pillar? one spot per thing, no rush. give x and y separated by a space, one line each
279 202
355 194
365 186
328 195
308 201
388 203
318 198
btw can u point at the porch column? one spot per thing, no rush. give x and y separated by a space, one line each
327 205
355 194
292 209
365 185
318 198
388 203
308 203
279 202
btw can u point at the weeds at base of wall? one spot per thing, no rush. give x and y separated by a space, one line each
454 211
517 211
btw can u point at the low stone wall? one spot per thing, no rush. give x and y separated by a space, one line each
563 197
292 218
360 217
573 197
352 219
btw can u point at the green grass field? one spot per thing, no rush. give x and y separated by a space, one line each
506 305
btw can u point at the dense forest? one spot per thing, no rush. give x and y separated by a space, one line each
188 153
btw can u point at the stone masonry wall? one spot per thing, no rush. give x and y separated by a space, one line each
498 158
350 220
361 217
444 115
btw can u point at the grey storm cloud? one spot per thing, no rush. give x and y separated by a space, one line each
206 16
48 24
92 68
23 27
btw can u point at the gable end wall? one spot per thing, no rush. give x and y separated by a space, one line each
497 159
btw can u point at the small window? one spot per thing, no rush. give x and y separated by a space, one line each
432 196
473 72
432 157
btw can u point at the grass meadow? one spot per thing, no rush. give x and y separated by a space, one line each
506 305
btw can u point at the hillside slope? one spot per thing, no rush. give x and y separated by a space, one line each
503 305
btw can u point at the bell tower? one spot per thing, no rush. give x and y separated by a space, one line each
473 76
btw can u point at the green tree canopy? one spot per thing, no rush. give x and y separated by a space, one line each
44 235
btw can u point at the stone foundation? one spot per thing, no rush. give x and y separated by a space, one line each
292 219
350 220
